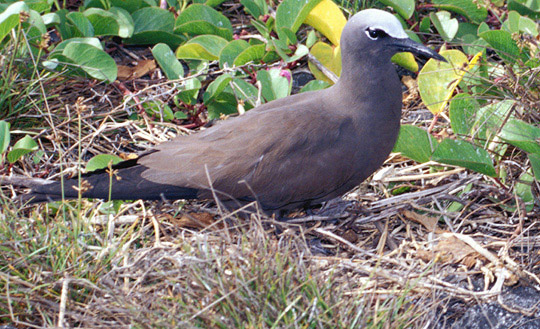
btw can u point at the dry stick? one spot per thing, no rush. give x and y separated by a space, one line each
329 74
63 302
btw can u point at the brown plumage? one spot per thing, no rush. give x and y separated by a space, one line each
292 152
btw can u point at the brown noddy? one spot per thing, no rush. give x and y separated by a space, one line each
292 152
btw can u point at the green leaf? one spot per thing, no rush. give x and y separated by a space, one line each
203 47
216 87
82 27
102 161
167 61
273 84
199 19
315 85
115 22
468 8
512 22
252 54
523 189
445 24
490 119
405 8
190 89
129 5
97 63
23 146
153 25
245 92
503 44
535 165
225 103
527 25
436 77
464 154
159 109
529 8
415 143
231 51
291 13
521 135
9 18
255 8
462 112
4 136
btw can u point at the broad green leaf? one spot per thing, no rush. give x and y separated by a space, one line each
327 18
415 143
529 8
490 119
445 24
153 19
462 112
535 165
23 146
199 19
38 6
464 154
471 9
291 13
102 161
245 92
129 5
527 25
329 57
159 110
315 85
523 189
503 44
225 103
231 51
97 63
115 22
437 80
167 61
203 47
216 87
521 135
155 37
4 136
153 25
406 60
252 54
9 18
274 83
50 19
190 89
512 22
255 8
405 8
82 27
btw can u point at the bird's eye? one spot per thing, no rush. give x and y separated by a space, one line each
375 34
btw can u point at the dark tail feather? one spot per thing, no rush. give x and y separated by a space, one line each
126 184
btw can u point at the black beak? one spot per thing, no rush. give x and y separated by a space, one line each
407 45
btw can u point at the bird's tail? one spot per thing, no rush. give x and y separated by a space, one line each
122 184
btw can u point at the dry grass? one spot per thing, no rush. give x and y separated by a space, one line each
391 260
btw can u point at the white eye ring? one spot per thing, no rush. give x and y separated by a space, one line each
375 34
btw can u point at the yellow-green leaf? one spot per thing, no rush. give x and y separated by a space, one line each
406 60
328 19
329 56
438 80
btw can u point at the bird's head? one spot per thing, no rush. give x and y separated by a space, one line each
379 35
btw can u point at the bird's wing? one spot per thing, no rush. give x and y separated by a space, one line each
274 155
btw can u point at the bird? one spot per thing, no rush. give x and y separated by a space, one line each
290 153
